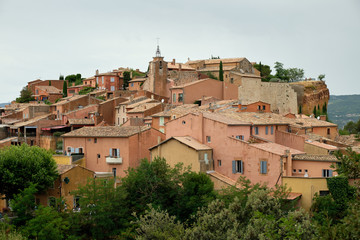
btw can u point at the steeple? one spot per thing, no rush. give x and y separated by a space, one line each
158 54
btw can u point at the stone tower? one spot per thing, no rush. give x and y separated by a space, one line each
158 75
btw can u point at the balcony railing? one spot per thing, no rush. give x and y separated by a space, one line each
113 160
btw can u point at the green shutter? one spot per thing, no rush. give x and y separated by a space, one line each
233 167
242 167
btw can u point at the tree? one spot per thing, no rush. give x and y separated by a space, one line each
281 72
265 71
104 212
314 111
61 77
22 165
23 205
49 83
47 224
295 74
65 89
127 78
221 72
349 164
300 109
25 96
321 77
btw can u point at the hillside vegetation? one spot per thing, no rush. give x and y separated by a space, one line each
344 108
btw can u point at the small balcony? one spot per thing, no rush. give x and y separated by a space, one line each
113 160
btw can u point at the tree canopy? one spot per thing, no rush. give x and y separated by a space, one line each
127 78
25 96
22 165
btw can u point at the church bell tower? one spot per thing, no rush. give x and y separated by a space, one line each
158 73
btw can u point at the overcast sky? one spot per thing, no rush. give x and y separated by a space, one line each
46 38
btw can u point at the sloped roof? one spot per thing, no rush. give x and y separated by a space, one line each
321 158
62 168
276 148
143 107
178 111
188 141
170 65
321 145
31 121
81 121
49 89
192 83
106 131
224 119
213 61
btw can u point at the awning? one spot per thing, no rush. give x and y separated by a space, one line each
54 127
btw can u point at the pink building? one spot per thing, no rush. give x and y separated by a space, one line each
191 92
112 149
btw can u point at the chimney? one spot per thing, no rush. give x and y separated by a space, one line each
97 72
179 66
287 152
173 61
152 96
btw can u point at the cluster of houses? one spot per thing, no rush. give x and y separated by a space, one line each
182 113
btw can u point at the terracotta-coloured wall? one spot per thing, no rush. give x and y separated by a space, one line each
77 176
117 84
55 83
315 150
262 132
188 125
290 140
314 167
107 109
307 187
254 107
74 104
175 152
322 131
132 149
156 123
135 86
80 113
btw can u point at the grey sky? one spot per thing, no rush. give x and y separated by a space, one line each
43 38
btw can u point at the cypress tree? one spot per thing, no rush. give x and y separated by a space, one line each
300 109
65 89
314 111
49 83
221 72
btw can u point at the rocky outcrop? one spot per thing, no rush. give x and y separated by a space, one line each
311 94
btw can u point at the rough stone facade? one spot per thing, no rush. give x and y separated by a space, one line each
157 77
310 94
281 96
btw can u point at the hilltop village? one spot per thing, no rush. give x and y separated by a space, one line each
241 126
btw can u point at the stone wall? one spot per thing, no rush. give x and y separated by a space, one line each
182 77
281 96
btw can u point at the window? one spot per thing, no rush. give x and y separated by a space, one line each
174 97
98 156
97 80
259 107
266 130
132 84
219 163
327 173
76 202
112 88
294 170
232 80
114 171
206 158
114 152
118 121
180 97
162 130
241 137
183 122
102 79
208 139
263 107
263 167
328 131
272 130
300 170
238 166
112 79
324 193
256 130
160 64
161 121
95 140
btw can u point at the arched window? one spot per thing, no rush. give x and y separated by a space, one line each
160 64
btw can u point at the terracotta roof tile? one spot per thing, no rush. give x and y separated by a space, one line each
49 89
108 131
81 121
322 158
143 107
322 145
276 148
62 168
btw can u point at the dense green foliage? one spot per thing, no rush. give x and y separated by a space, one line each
155 201
210 75
221 72
20 166
349 165
127 78
65 89
86 90
25 96
265 71
74 78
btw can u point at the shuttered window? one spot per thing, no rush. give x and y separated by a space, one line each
263 167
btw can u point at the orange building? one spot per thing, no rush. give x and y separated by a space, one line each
49 93
112 149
